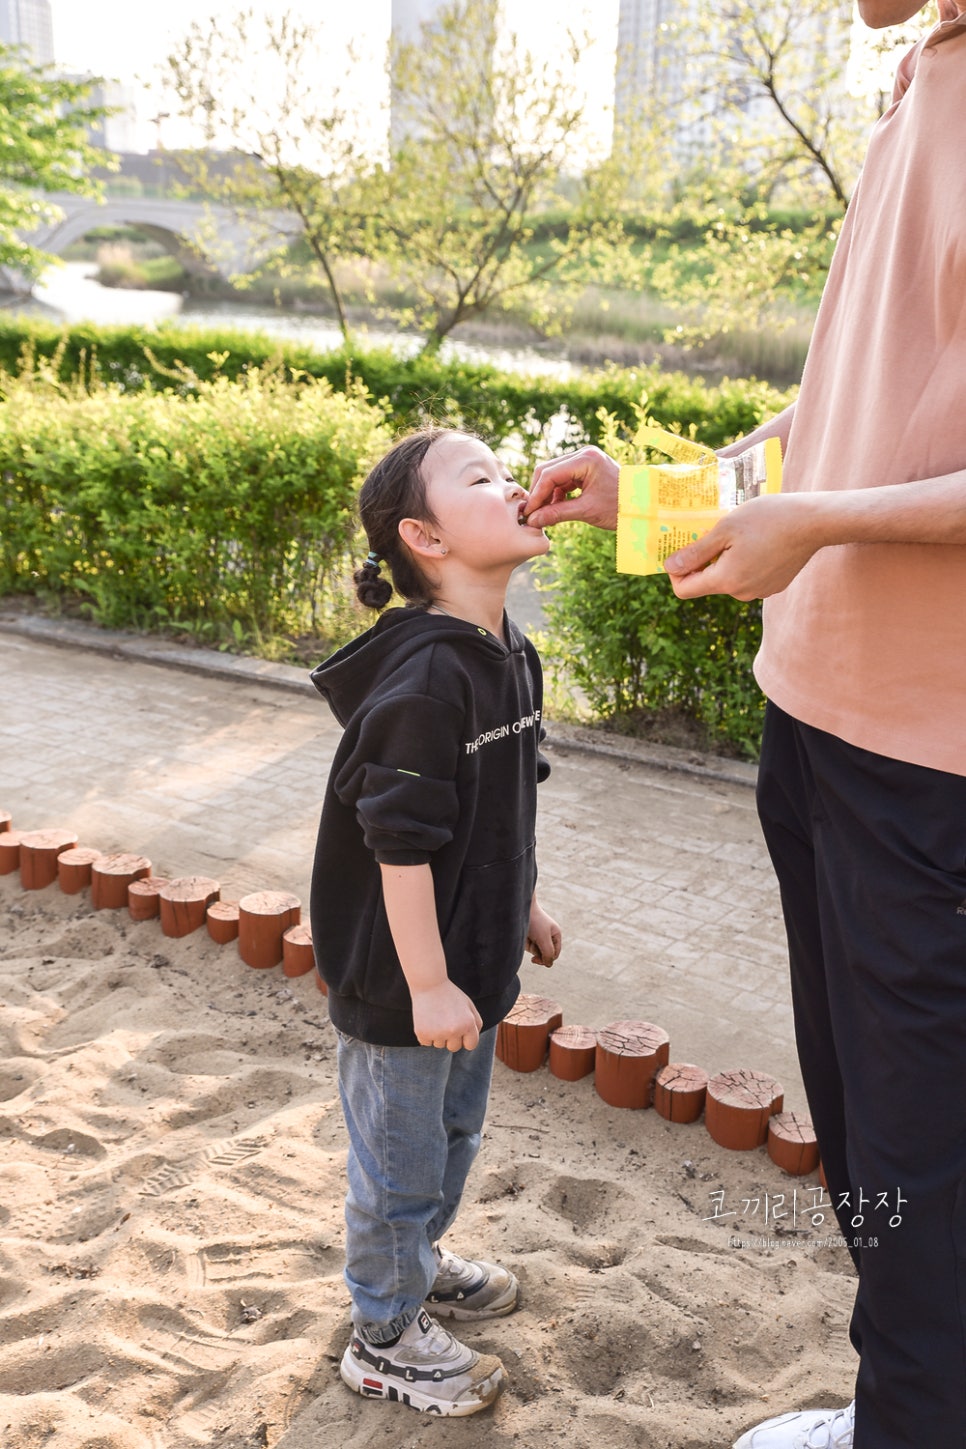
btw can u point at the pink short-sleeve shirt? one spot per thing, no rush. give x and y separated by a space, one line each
869 641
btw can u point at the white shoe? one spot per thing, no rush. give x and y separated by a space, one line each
814 1429
468 1288
426 1368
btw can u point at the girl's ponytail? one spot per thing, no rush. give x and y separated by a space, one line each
371 588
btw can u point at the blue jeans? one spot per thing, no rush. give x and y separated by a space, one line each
415 1117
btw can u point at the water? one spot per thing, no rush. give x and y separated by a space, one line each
69 293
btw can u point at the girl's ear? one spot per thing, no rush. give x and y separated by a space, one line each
419 538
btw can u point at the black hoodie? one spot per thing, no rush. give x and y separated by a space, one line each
439 763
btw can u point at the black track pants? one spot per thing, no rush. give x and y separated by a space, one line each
870 855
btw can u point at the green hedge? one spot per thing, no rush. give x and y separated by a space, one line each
533 412
208 480
227 512
636 650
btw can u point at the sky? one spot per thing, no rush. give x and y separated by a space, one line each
126 42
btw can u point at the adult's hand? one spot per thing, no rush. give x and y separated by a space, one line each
752 552
589 475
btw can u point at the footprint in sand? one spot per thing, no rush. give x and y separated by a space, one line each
173 1175
589 1204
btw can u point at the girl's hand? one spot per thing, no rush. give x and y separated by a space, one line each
444 1016
543 936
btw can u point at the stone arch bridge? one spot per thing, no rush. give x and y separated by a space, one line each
205 238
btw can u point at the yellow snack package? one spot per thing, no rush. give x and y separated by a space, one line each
663 506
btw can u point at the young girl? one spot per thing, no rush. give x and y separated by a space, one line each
423 899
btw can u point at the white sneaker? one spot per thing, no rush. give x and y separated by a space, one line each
466 1288
814 1429
426 1368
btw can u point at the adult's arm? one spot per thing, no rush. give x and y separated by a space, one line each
443 1015
777 427
582 486
759 548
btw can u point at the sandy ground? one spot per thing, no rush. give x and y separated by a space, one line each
171 1215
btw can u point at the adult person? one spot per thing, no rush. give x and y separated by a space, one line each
862 788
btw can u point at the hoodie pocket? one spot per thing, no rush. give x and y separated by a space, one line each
487 930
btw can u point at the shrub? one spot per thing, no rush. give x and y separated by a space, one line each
185 488
224 512
534 414
118 268
635 649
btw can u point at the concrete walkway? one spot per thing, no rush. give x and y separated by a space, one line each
652 860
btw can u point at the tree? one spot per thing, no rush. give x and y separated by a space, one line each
776 80
258 84
768 116
484 147
43 148
453 214
876 53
